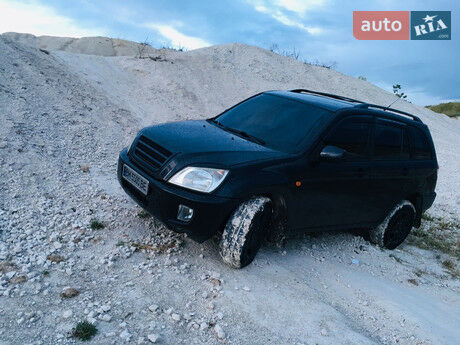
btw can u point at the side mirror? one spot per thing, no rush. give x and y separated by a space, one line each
332 153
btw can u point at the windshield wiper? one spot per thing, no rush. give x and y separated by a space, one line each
246 135
240 133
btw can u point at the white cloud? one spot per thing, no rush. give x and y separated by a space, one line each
35 18
299 6
178 39
282 18
285 19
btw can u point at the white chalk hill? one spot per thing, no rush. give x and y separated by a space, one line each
79 101
167 85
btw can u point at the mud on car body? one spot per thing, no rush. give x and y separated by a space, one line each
282 162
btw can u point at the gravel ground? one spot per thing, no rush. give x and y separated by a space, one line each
64 117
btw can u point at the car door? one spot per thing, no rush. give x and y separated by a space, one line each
390 166
334 193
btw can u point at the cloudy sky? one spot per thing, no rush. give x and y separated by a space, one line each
319 30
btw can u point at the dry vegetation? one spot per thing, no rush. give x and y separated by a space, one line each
437 234
451 109
442 235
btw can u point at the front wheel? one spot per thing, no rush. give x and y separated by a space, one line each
244 232
396 226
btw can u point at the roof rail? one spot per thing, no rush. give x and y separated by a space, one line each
342 98
360 103
368 105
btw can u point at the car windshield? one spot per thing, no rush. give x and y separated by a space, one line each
276 122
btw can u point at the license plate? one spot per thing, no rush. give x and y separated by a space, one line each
135 179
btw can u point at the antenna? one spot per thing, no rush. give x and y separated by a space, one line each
386 108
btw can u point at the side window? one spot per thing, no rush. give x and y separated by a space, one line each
352 136
388 141
419 144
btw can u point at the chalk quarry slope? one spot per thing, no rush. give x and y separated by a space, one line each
168 85
65 108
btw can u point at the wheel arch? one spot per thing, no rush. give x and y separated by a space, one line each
417 200
279 206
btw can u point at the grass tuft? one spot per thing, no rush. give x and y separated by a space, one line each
428 217
295 54
436 233
451 267
84 331
413 281
96 224
419 272
143 214
399 260
449 264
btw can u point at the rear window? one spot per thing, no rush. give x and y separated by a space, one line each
280 122
420 145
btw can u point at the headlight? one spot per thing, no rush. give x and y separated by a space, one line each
200 179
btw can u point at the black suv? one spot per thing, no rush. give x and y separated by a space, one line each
282 162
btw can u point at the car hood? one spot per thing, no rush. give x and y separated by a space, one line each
201 142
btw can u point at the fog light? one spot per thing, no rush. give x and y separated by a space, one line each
185 213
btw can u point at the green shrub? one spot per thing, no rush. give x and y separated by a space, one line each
84 330
96 224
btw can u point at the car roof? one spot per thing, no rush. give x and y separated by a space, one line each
316 100
335 102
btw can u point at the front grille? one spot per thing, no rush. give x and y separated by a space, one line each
151 153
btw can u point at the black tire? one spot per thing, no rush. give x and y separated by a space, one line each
277 232
396 226
244 232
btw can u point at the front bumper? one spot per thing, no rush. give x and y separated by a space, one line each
163 200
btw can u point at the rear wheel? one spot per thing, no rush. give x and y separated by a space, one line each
244 232
396 226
